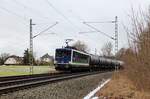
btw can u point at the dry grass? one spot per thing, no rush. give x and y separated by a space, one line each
122 88
134 81
137 57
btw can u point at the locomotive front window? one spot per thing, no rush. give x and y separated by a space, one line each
63 53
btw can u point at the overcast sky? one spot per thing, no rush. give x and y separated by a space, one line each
15 15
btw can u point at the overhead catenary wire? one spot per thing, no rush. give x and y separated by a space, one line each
79 18
30 9
87 32
98 30
101 22
13 13
45 30
60 13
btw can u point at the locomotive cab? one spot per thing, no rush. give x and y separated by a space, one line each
62 58
70 59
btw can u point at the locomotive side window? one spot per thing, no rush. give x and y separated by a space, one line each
79 58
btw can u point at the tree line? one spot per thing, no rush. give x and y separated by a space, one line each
25 59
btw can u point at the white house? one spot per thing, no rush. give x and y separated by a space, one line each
13 60
47 58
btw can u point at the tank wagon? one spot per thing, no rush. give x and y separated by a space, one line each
69 58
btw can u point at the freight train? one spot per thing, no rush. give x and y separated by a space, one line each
71 59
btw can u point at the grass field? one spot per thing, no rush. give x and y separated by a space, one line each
24 70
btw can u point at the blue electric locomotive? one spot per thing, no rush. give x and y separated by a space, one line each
68 59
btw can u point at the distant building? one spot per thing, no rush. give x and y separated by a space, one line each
14 60
47 58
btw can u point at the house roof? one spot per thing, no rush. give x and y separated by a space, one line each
15 57
47 56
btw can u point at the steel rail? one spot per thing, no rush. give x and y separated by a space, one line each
18 81
8 78
19 85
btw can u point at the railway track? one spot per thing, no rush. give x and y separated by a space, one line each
10 84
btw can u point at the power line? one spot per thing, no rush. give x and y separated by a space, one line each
13 13
116 31
45 30
81 19
88 32
98 30
44 23
77 16
101 22
60 13
30 9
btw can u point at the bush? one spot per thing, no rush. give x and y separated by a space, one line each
137 57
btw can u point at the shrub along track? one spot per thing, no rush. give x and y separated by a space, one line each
14 83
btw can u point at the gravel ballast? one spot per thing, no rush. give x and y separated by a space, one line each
68 89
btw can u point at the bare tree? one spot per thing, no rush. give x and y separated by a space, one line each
121 53
137 56
81 46
107 49
3 57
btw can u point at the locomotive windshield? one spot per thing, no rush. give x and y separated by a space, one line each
63 56
63 53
